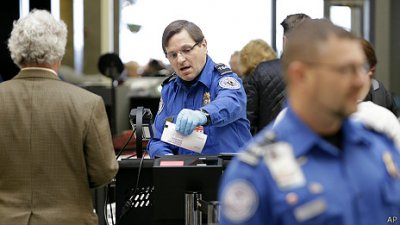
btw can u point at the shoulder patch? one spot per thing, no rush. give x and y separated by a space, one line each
240 201
170 78
256 151
278 157
229 83
222 69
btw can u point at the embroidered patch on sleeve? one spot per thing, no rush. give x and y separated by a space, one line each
240 201
229 83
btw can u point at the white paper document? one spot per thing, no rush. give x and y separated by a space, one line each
194 142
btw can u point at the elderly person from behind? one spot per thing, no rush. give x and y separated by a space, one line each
55 142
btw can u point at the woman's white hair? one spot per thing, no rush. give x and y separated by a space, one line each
37 38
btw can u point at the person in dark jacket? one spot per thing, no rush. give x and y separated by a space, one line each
265 89
377 94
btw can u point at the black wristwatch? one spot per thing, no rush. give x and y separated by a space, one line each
207 116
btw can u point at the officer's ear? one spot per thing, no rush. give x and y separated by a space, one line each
204 43
300 79
296 72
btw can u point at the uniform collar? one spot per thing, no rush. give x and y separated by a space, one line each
37 72
352 129
204 77
305 138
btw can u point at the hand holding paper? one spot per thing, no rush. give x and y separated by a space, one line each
188 119
194 142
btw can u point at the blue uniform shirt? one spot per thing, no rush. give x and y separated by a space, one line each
217 91
359 184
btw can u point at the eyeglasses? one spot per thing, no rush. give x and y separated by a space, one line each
346 69
184 52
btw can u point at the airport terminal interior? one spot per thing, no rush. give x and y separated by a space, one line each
114 50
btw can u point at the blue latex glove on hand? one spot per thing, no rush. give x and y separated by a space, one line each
189 119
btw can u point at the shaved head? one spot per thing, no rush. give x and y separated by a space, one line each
307 40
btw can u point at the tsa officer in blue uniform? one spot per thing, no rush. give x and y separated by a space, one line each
316 166
199 93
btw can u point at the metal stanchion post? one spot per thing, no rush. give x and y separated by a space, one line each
192 214
213 213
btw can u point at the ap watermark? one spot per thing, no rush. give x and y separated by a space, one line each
392 220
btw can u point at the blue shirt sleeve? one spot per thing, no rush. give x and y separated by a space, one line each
229 104
156 146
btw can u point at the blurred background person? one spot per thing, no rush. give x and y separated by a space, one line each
234 63
55 142
266 88
370 113
253 53
155 68
131 70
377 94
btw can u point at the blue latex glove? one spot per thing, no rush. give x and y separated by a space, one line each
189 119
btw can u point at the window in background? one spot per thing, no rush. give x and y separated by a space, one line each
341 16
55 8
313 8
227 25
352 15
24 8
78 34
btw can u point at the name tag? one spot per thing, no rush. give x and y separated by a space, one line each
310 210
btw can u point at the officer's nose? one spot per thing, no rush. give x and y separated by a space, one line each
180 57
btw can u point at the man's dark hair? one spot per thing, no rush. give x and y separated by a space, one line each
177 26
369 53
292 21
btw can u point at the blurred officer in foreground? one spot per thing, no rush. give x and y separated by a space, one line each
316 166
199 93
55 141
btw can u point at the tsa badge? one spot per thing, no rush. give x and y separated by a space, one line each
206 98
390 165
